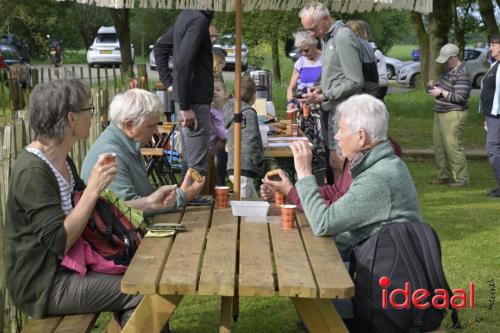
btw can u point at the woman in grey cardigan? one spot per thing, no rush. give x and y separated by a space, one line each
382 189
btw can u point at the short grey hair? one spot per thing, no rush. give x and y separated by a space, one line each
135 104
316 10
49 106
368 113
304 38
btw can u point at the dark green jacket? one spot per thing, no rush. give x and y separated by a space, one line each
382 190
34 233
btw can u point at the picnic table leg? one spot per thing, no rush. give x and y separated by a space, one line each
236 307
319 315
152 313
226 314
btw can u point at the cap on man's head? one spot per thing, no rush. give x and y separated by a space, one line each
446 52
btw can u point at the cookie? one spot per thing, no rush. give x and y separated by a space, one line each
195 175
273 175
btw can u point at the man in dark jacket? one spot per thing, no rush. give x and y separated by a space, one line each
189 43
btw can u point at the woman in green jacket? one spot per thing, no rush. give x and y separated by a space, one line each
41 222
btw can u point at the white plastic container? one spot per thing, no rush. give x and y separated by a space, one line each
263 129
257 209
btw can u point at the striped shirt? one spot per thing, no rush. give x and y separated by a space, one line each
457 83
65 188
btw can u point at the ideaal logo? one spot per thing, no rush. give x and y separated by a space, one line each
459 299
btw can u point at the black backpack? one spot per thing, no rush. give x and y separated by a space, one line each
403 252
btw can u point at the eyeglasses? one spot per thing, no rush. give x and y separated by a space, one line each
91 109
304 51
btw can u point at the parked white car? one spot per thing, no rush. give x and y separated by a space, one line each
475 61
106 48
227 42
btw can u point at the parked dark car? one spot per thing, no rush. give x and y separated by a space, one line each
11 63
21 46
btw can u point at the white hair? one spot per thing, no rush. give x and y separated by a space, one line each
368 113
304 38
316 10
135 104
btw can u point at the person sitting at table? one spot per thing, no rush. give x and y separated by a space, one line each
330 193
252 149
42 224
134 117
382 188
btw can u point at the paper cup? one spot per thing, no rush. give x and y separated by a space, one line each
221 196
290 115
288 216
279 198
109 157
295 129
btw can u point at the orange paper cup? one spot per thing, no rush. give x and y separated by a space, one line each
279 198
290 115
288 216
306 110
109 157
221 196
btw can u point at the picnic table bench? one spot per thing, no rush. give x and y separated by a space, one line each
230 257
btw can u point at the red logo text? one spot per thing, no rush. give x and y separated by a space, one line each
440 299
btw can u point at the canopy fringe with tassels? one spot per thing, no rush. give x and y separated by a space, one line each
336 6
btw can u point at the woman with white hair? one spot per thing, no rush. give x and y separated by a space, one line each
306 73
134 117
382 188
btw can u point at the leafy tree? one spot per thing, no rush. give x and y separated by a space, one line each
120 18
88 19
486 9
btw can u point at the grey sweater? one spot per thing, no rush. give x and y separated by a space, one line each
342 69
382 191
252 150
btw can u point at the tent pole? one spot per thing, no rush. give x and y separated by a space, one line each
237 102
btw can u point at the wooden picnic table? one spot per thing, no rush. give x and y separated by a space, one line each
230 257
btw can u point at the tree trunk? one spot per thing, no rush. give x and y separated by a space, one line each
439 27
423 45
121 22
458 28
486 9
276 60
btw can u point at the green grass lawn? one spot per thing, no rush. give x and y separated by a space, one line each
401 52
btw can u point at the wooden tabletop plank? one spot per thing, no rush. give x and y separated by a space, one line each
219 263
145 270
256 269
277 152
295 278
152 151
181 272
46 325
331 275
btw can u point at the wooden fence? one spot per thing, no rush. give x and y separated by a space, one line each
15 135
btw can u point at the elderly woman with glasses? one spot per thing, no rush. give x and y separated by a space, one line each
134 117
312 121
42 224
382 188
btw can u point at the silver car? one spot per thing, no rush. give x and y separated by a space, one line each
474 59
393 66
227 42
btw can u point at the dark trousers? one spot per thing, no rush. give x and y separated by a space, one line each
493 145
94 292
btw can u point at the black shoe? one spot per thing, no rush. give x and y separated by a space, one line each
494 192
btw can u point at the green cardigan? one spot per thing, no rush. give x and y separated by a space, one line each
131 181
382 191
34 233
